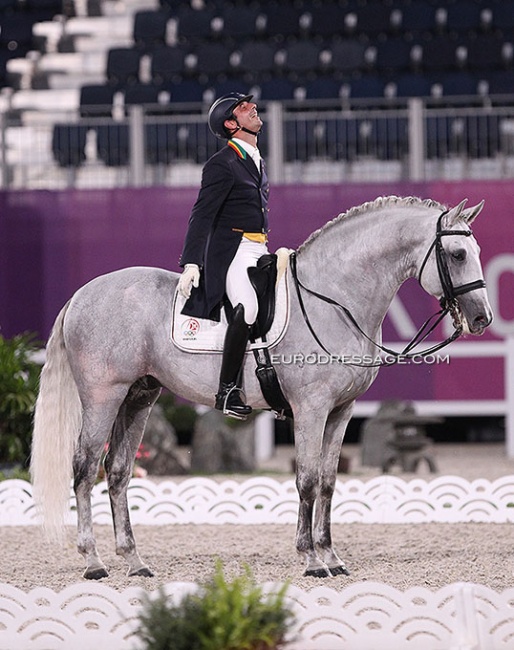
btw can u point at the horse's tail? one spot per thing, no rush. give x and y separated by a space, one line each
57 422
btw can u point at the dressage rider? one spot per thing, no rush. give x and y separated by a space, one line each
227 233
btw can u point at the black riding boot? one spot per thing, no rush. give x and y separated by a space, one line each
228 398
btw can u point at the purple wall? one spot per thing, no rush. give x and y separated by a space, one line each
52 242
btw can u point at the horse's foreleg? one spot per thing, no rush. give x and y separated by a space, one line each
308 438
119 465
332 441
96 427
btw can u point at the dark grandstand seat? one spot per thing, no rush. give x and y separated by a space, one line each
8 6
483 136
282 21
380 137
463 17
393 55
161 143
327 20
191 142
501 82
418 18
439 53
171 5
322 88
166 143
187 91
476 136
302 58
123 66
225 86
69 144
168 64
16 32
212 59
149 29
239 22
277 88
257 58
459 84
113 144
320 139
194 25
367 87
143 94
42 9
503 15
442 136
413 84
373 19
347 56
96 100
485 52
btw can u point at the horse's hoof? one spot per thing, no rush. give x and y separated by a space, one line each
144 571
96 574
317 573
339 571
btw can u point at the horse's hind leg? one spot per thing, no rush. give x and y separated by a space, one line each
97 422
119 464
332 440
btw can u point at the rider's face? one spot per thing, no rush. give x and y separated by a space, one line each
247 116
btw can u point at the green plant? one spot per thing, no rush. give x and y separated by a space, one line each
181 416
19 376
15 472
224 615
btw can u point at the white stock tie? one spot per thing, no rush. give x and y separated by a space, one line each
256 157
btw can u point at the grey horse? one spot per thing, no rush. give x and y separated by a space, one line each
110 353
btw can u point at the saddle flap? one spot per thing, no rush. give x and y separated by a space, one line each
263 278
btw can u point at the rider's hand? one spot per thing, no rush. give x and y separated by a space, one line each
190 278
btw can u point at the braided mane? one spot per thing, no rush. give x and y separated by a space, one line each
378 204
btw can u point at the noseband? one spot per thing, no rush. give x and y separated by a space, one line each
448 304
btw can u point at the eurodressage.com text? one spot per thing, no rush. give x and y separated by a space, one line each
313 358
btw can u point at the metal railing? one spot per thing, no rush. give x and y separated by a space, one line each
302 142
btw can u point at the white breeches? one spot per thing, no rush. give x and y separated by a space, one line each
238 286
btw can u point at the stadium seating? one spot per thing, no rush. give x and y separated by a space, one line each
282 51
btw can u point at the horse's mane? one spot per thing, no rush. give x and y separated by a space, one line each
378 204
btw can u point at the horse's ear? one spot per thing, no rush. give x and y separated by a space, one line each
453 215
471 214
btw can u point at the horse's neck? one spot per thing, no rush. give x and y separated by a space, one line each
363 263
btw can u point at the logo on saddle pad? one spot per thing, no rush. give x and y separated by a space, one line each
190 329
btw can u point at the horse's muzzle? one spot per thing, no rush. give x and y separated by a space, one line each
479 324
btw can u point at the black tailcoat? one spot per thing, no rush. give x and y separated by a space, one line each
233 199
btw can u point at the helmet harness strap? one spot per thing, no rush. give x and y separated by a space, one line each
241 128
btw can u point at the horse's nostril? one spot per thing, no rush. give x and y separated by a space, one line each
481 321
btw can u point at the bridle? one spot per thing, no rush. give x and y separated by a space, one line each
450 292
448 304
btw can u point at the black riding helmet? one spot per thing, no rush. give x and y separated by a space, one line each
222 110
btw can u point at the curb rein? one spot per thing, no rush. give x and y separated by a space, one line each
448 304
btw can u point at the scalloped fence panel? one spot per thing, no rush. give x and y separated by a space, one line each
460 616
264 500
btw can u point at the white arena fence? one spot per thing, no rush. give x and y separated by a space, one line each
362 616
263 500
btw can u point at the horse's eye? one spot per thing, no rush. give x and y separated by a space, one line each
459 255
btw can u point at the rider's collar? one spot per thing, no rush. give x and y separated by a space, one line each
242 148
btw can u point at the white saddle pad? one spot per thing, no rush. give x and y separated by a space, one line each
203 335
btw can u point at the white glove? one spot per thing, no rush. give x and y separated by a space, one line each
190 278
